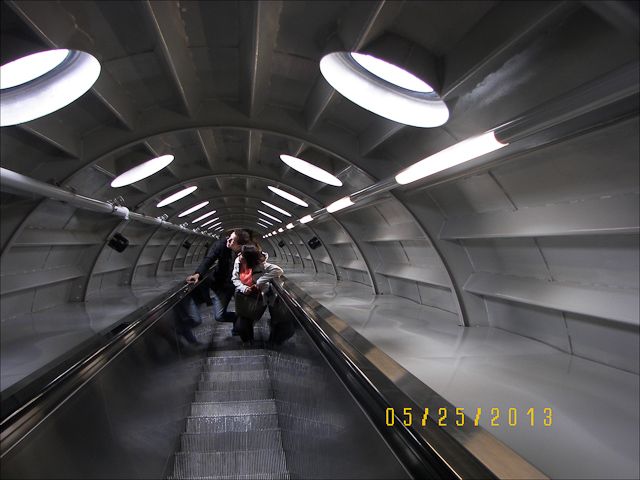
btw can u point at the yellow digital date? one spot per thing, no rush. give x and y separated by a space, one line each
510 417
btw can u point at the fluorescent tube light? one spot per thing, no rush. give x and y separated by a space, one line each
289 226
306 219
339 204
450 157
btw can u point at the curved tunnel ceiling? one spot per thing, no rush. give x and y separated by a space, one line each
537 240
227 87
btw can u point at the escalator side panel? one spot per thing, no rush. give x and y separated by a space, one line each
325 434
123 423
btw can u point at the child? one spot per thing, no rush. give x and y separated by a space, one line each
251 275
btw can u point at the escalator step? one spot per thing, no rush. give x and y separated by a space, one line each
232 423
228 364
258 407
270 463
231 441
234 395
235 353
234 376
220 386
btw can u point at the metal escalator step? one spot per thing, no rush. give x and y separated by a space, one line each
258 407
255 476
223 364
231 441
234 353
234 376
231 423
232 464
234 395
221 386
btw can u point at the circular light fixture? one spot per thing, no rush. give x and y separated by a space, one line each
269 216
391 73
202 217
311 170
44 82
194 209
177 196
288 196
210 221
143 170
277 209
384 89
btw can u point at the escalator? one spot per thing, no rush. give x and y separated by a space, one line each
147 406
232 429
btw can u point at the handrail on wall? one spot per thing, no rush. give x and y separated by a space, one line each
41 403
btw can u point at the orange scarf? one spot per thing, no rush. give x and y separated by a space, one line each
246 275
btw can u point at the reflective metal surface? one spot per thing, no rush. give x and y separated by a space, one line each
115 412
474 453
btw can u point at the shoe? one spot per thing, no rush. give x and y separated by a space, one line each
234 331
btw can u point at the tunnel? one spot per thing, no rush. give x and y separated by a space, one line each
452 192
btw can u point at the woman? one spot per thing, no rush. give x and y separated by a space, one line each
251 275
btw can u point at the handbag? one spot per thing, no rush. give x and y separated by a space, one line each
280 313
249 306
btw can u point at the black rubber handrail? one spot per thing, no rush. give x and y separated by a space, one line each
40 401
427 451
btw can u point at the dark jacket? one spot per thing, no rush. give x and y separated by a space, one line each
221 276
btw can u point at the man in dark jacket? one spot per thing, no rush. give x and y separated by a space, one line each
224 252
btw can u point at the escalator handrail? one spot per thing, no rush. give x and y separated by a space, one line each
426 451
84 366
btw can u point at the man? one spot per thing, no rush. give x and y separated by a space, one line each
224 252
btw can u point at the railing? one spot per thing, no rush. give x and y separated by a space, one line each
27 408
426 449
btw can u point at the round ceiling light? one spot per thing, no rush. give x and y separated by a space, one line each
277 209
42 83
311 170
143 170
194 209
288 196
177 196
384 89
